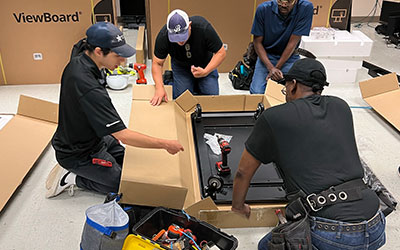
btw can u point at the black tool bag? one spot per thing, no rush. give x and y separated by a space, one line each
242 75
296 233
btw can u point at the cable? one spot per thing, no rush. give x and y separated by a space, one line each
359 24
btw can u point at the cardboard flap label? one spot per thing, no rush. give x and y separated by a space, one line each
379 85
38 109
146 92
186 101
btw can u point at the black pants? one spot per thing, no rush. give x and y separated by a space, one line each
103 176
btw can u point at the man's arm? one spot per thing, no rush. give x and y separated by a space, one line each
215 61
247 167
156 71
136 139
287 53
262 54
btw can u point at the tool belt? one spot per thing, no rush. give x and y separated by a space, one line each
348 191
296 233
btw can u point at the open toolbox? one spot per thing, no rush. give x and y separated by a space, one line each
201 232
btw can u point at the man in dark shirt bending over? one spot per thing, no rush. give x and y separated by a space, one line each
311 140
196 51
89 128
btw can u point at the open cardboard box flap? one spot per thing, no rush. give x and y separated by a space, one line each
22 141
153 177
383 94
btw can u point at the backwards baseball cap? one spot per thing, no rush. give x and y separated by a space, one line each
309 72
178 26
106 35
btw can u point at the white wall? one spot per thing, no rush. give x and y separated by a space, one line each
361 8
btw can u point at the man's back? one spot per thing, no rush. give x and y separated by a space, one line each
312 142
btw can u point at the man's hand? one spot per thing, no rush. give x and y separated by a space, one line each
243 210
198 72
275 74
173 146
158 97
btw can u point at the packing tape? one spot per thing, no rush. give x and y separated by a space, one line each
2 70
329 13
93 17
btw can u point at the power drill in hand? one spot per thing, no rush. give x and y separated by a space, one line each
139 67
222 166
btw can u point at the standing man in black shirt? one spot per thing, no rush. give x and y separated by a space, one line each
196 51
311 140
89 128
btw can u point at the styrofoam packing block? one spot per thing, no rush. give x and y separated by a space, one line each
342 63
341 75
345 44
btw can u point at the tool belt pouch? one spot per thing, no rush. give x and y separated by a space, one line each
106 227
296 233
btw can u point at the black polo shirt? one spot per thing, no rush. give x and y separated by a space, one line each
198 50
86 113
313 144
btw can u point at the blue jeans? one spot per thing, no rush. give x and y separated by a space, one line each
372 238
184 79
259 82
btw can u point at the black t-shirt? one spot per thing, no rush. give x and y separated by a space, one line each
197 51
86 113
312 142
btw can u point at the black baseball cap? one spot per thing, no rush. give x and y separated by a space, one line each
107 36
309 72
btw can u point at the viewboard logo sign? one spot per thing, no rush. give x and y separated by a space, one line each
47 17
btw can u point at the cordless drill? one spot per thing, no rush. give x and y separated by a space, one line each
139 67
222 166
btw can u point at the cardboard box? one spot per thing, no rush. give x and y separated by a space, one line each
22 141
332 13
141 53
37 38
383 95
155 178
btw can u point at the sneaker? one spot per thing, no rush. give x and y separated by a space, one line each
55 183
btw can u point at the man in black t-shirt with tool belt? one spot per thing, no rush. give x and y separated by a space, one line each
311 140
89 128
196 51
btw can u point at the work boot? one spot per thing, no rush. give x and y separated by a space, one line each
57 182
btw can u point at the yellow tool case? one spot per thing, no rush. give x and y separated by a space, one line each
137 242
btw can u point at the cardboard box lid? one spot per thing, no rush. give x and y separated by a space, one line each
383 94
23 140
152 176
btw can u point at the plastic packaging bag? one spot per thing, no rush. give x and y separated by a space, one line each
106 227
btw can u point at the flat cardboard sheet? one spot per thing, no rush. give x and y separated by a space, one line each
383 94
23 140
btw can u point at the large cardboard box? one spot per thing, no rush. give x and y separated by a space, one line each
383 94
22 141
37 37
233 19
155 178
